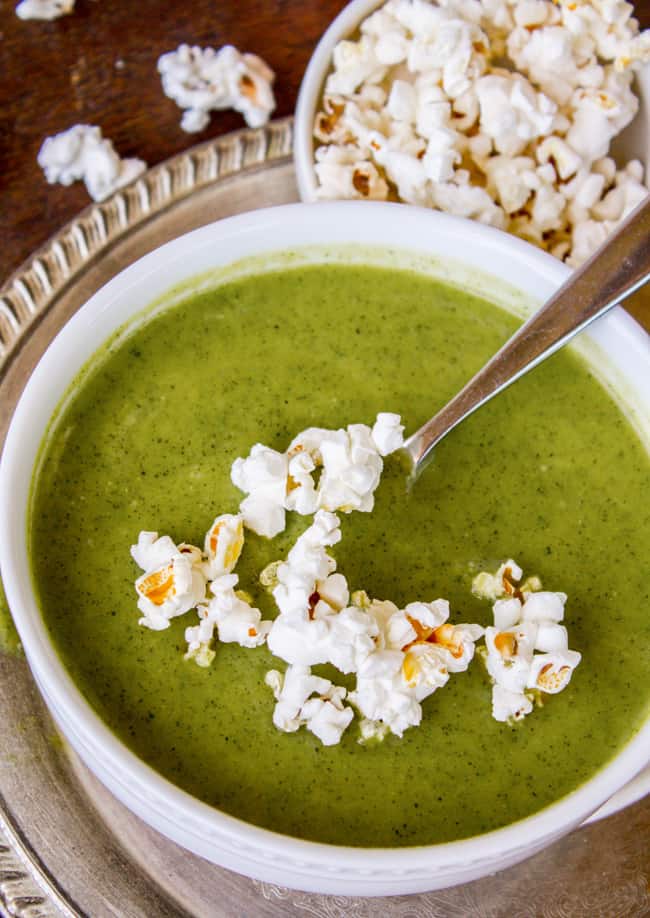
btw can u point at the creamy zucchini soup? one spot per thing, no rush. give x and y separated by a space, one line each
549 474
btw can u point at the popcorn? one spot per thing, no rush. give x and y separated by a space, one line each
387 701
547 56
308 592
565 160
609 25
526 620
398 656
417 650
224 541
173 582
510 655
551 672
263 475
354 63
346 170
543 606
235 620
421 108
512 113
500 584
350 462
599 115
351 639
325 716
82 153
509 706
44 9
460 198
201 80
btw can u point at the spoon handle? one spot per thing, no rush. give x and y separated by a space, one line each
616 270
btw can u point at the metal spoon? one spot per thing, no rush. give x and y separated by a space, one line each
618 268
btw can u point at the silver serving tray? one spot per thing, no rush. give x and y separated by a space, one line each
67 847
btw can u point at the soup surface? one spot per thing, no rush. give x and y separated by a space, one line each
550 473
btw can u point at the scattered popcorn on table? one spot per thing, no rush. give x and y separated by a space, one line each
82 153
44 9
350 463
201 80
526 620
502 112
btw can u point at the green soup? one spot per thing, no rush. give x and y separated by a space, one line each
550 473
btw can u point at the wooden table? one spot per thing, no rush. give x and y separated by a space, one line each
98 66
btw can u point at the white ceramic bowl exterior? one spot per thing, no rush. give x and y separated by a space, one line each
198 827
311 90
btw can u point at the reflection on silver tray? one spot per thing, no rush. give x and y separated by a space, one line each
66 846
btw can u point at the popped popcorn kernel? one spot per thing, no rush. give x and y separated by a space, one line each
526 651
324 715
224 541
172 582
348 463
498 585
202 80
44 9
82 153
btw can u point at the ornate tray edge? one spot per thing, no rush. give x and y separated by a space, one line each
26 888
34 286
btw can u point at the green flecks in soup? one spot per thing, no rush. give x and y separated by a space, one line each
550 473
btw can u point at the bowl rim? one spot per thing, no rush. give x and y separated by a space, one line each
311 86
94 739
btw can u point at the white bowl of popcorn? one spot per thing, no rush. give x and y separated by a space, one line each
529 116
209 251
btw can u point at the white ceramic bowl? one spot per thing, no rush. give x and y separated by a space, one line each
633 143
618 349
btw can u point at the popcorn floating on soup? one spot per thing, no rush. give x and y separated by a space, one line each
223 545
416 651
349 463
201 80
502 112
398 656
263 476
324 715
44 9
309 595
527 649
234 618
172 583
82 153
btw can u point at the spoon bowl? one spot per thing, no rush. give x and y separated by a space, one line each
615 271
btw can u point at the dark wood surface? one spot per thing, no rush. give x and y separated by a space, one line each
98 66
